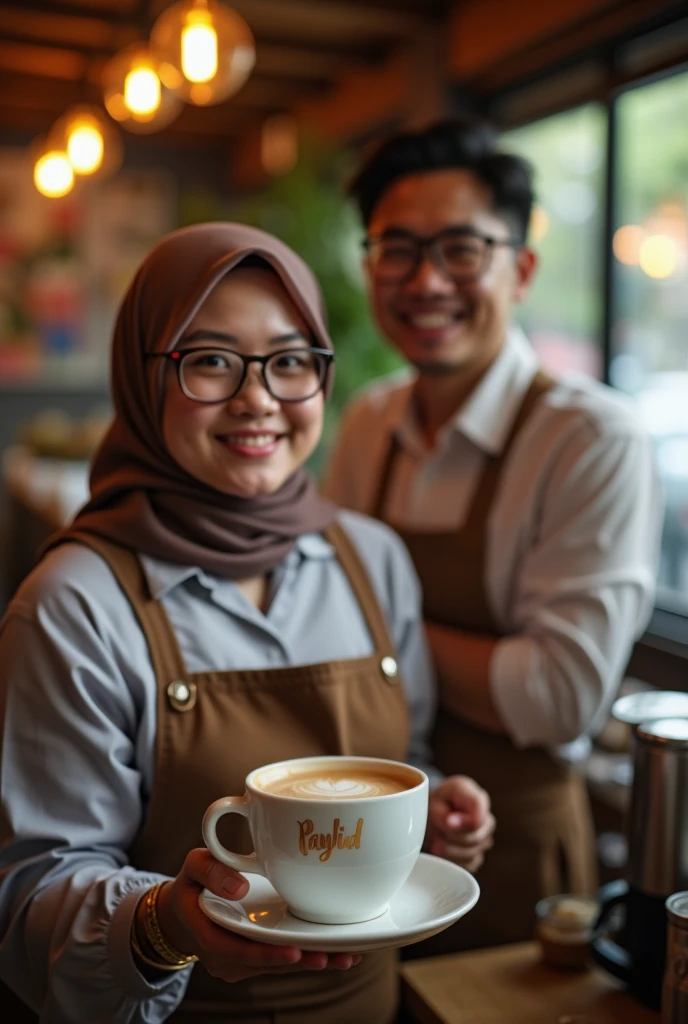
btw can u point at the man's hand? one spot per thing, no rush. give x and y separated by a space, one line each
460 825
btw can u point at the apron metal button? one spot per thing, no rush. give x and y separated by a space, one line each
389 668
181 695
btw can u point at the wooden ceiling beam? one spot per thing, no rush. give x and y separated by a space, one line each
433 7
315 20
279 61
268 94
261 93
300 62
215 121
26 39
27 91
48 62
57 28
28 63
114 12
29 121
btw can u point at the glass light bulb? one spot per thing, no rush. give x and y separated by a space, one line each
53 175
142 91
85 149
199 47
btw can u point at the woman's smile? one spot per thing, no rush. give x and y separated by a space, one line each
251 444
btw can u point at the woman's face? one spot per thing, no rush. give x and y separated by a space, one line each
250 444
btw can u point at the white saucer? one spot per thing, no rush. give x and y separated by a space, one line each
436 894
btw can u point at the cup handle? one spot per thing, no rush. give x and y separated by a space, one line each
238 861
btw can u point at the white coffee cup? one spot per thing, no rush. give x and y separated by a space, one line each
337 837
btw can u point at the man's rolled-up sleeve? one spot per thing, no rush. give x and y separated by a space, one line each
585 588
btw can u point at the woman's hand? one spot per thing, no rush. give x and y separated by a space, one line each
224 954
460 825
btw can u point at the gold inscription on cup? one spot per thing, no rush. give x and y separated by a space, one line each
326 842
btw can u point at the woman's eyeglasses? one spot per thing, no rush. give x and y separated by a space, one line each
461 254
217 374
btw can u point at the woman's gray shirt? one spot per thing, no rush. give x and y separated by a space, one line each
78 705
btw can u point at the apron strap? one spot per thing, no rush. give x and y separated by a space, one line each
358 577
487 485
378 504
166 656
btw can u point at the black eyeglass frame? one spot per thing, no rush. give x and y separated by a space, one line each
177 358
429 244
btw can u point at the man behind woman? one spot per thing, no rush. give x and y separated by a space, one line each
530 506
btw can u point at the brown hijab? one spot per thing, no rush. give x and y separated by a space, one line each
140 496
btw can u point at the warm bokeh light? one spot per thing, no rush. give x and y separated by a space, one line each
142 92
89 139
92 142
135 93
85 149
199 47
539 224
670 219
626 244
279 144
658 256
53 174
116 107
210 45
170 76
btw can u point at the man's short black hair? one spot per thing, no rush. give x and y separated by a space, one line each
465 144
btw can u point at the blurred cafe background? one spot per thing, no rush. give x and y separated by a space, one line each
106 144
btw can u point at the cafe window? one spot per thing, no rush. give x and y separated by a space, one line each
561 315
649 338
633 333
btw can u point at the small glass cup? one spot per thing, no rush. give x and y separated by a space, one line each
565 925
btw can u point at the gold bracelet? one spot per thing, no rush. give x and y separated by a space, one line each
155 936
140 955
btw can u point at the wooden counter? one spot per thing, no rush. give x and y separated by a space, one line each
510 985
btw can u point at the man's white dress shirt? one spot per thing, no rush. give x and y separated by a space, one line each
572 539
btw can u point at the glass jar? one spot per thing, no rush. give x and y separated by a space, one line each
675 989
565 925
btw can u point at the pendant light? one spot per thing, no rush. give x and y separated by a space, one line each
53 174
89 139
138 92
210 47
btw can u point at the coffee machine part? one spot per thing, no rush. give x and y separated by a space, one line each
638 708
675 989
658 857
658 840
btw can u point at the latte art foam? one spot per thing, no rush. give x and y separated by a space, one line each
335 788
336 785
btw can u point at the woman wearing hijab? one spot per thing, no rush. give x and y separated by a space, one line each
205 613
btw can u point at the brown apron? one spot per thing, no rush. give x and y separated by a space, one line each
233 722
544 842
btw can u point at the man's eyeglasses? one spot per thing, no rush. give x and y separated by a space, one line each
217 374
461 254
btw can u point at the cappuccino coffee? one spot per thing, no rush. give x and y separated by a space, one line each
337 836
334 784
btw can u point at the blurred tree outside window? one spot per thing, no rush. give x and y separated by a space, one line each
650 296
562 314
